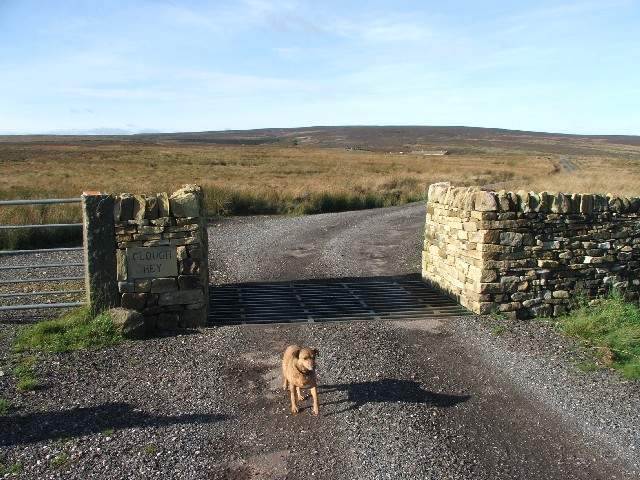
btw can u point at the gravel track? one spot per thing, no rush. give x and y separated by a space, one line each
437 398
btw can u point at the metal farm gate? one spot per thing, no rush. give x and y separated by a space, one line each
22 271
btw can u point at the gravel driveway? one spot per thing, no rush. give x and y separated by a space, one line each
432 398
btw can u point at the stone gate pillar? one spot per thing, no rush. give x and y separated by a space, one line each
99 251
150 254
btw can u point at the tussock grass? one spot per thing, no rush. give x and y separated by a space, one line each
611 325
78 329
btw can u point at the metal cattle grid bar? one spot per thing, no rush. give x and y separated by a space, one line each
291 302
9 268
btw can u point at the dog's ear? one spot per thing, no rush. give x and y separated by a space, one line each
316 353
296 353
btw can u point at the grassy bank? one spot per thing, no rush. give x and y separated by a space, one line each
613 327
77 329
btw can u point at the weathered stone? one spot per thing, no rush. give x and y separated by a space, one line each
125 210
163 285
437 190
504 201
133 301
161 222
163 205
192 266
181 297
189 282
523 201
126 287
130 323
181 253
152 208
142 284
511 238
139 207
561 203
186 202
586 204
485 201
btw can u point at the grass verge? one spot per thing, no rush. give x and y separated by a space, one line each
613 327
78 329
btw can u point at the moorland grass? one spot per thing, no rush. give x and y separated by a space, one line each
269 179
613 327
78 329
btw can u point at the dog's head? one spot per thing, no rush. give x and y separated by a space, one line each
307 358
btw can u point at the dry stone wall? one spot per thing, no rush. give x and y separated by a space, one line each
161 257
529 254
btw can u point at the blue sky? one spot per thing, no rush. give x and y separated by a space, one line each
174 66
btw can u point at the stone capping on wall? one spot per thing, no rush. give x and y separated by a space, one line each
149 254
529 254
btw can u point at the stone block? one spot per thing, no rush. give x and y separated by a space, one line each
190 282
437 190
186 202
181 297
163 285
142 284
152 208
485 201
126 287
130 323
163 205
192 266
512 239
504 201
125 209
139 207
133 301
561 203
161 222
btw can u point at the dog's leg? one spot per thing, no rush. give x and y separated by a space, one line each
299 392
316 405
294 405
286 384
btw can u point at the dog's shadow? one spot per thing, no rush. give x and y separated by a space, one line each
388 390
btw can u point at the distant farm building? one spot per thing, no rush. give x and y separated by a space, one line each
430 152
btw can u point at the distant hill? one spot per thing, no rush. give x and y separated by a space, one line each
406 139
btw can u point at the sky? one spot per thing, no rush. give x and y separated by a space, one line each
132 66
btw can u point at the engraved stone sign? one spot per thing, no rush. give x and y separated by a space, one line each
152 262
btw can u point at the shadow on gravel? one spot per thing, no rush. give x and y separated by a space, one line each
391 391
61 424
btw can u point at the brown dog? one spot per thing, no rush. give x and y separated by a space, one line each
299 370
